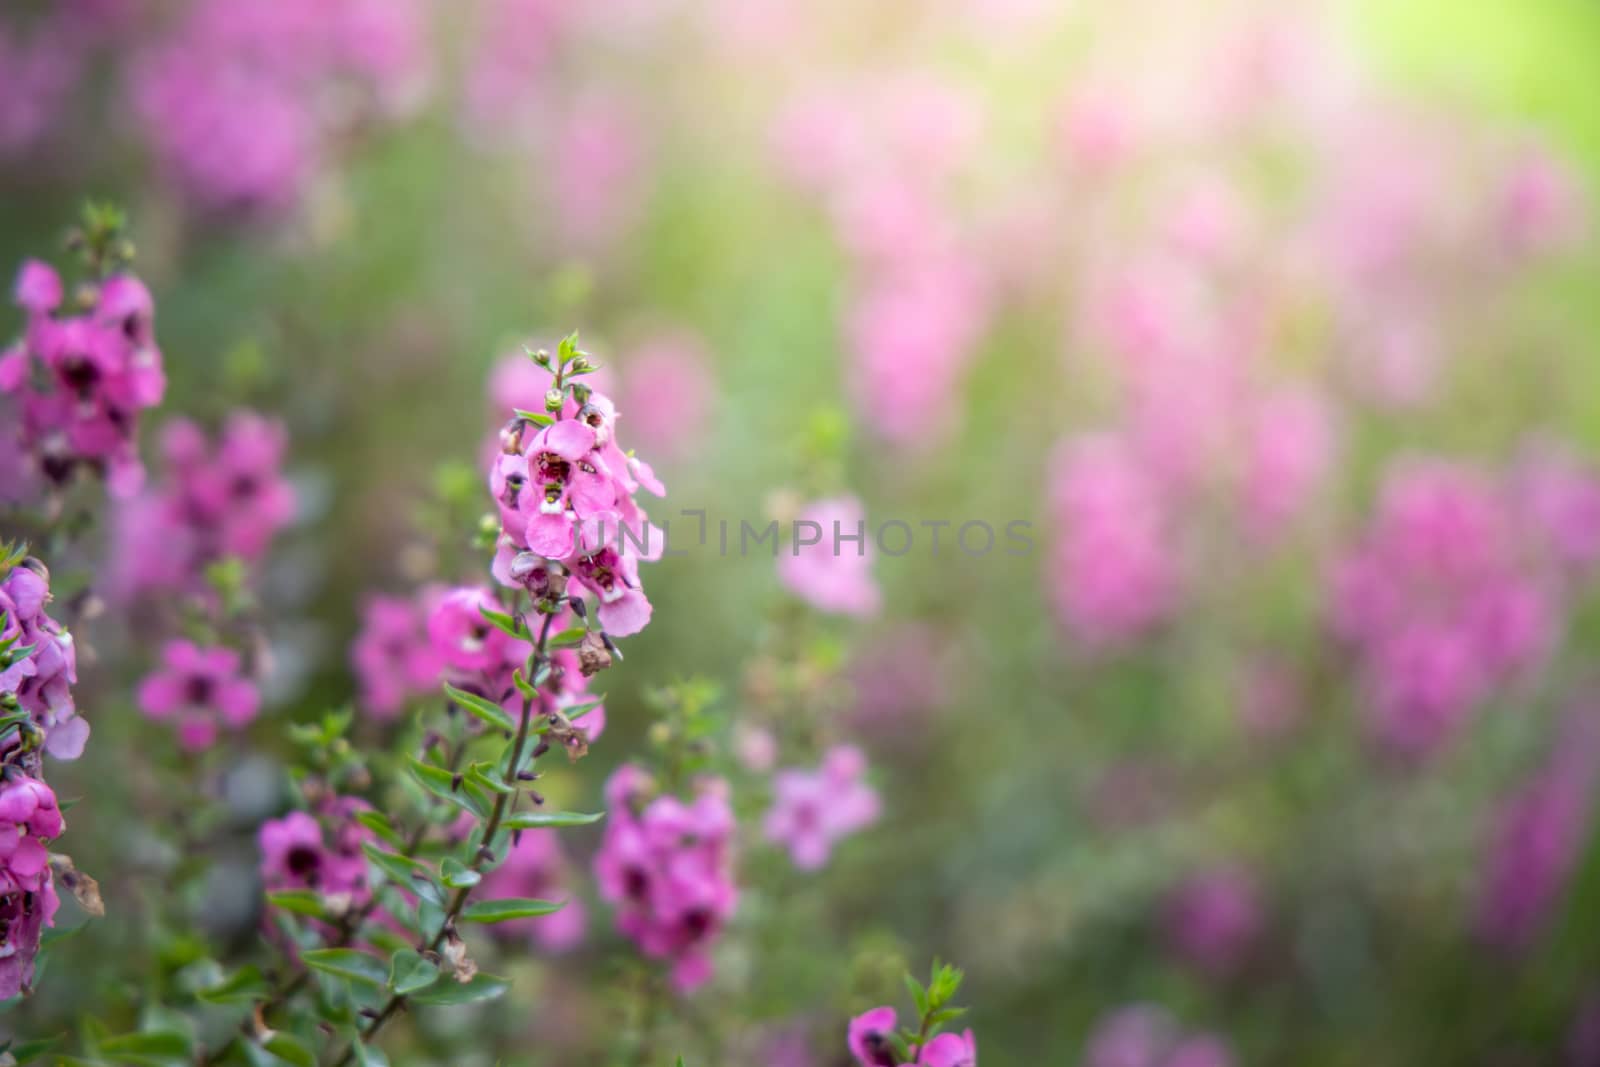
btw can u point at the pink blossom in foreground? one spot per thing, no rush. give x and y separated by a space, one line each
42 680
198 690
869 1034
813 810
1113 571
536 866
868 1037
392 655
29 817
824 569
566 497
667 866
79 378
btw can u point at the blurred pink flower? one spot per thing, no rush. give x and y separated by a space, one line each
198 689
1213 918
1112 569
392 655
830 573
813 810
1437 602
667 393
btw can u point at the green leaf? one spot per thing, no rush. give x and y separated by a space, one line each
298 901
456 875
409 972
347 963
245 984
403 871
28 1051
503 621
499 911
571 637
446 786
533 820
482 987
482 708
488 776
290 1049
538 418
379 823
170 1044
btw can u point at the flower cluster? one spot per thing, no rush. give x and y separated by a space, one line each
222 498
42 664
86 366
479 657
393 657
318 851
197 690
29 816
242 102
814 809
832 571
1537 835
1439 602
667 865
1114 572
37 666
565 493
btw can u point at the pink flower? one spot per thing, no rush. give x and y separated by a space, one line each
912 334
1289 453
1113 567
667 866
950 1050
29 815
196 688
1537 836
869 1035
393 657
536 866
812 810
1213 918
42 680
566 497
234 98
80 381
466 642
667 393
831 573
1439 603
320 852
219 498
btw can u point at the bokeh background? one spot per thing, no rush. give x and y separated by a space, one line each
1276 322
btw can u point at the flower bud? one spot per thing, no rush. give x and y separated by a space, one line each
593 656
553 399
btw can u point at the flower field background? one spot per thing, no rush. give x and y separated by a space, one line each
1212 388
